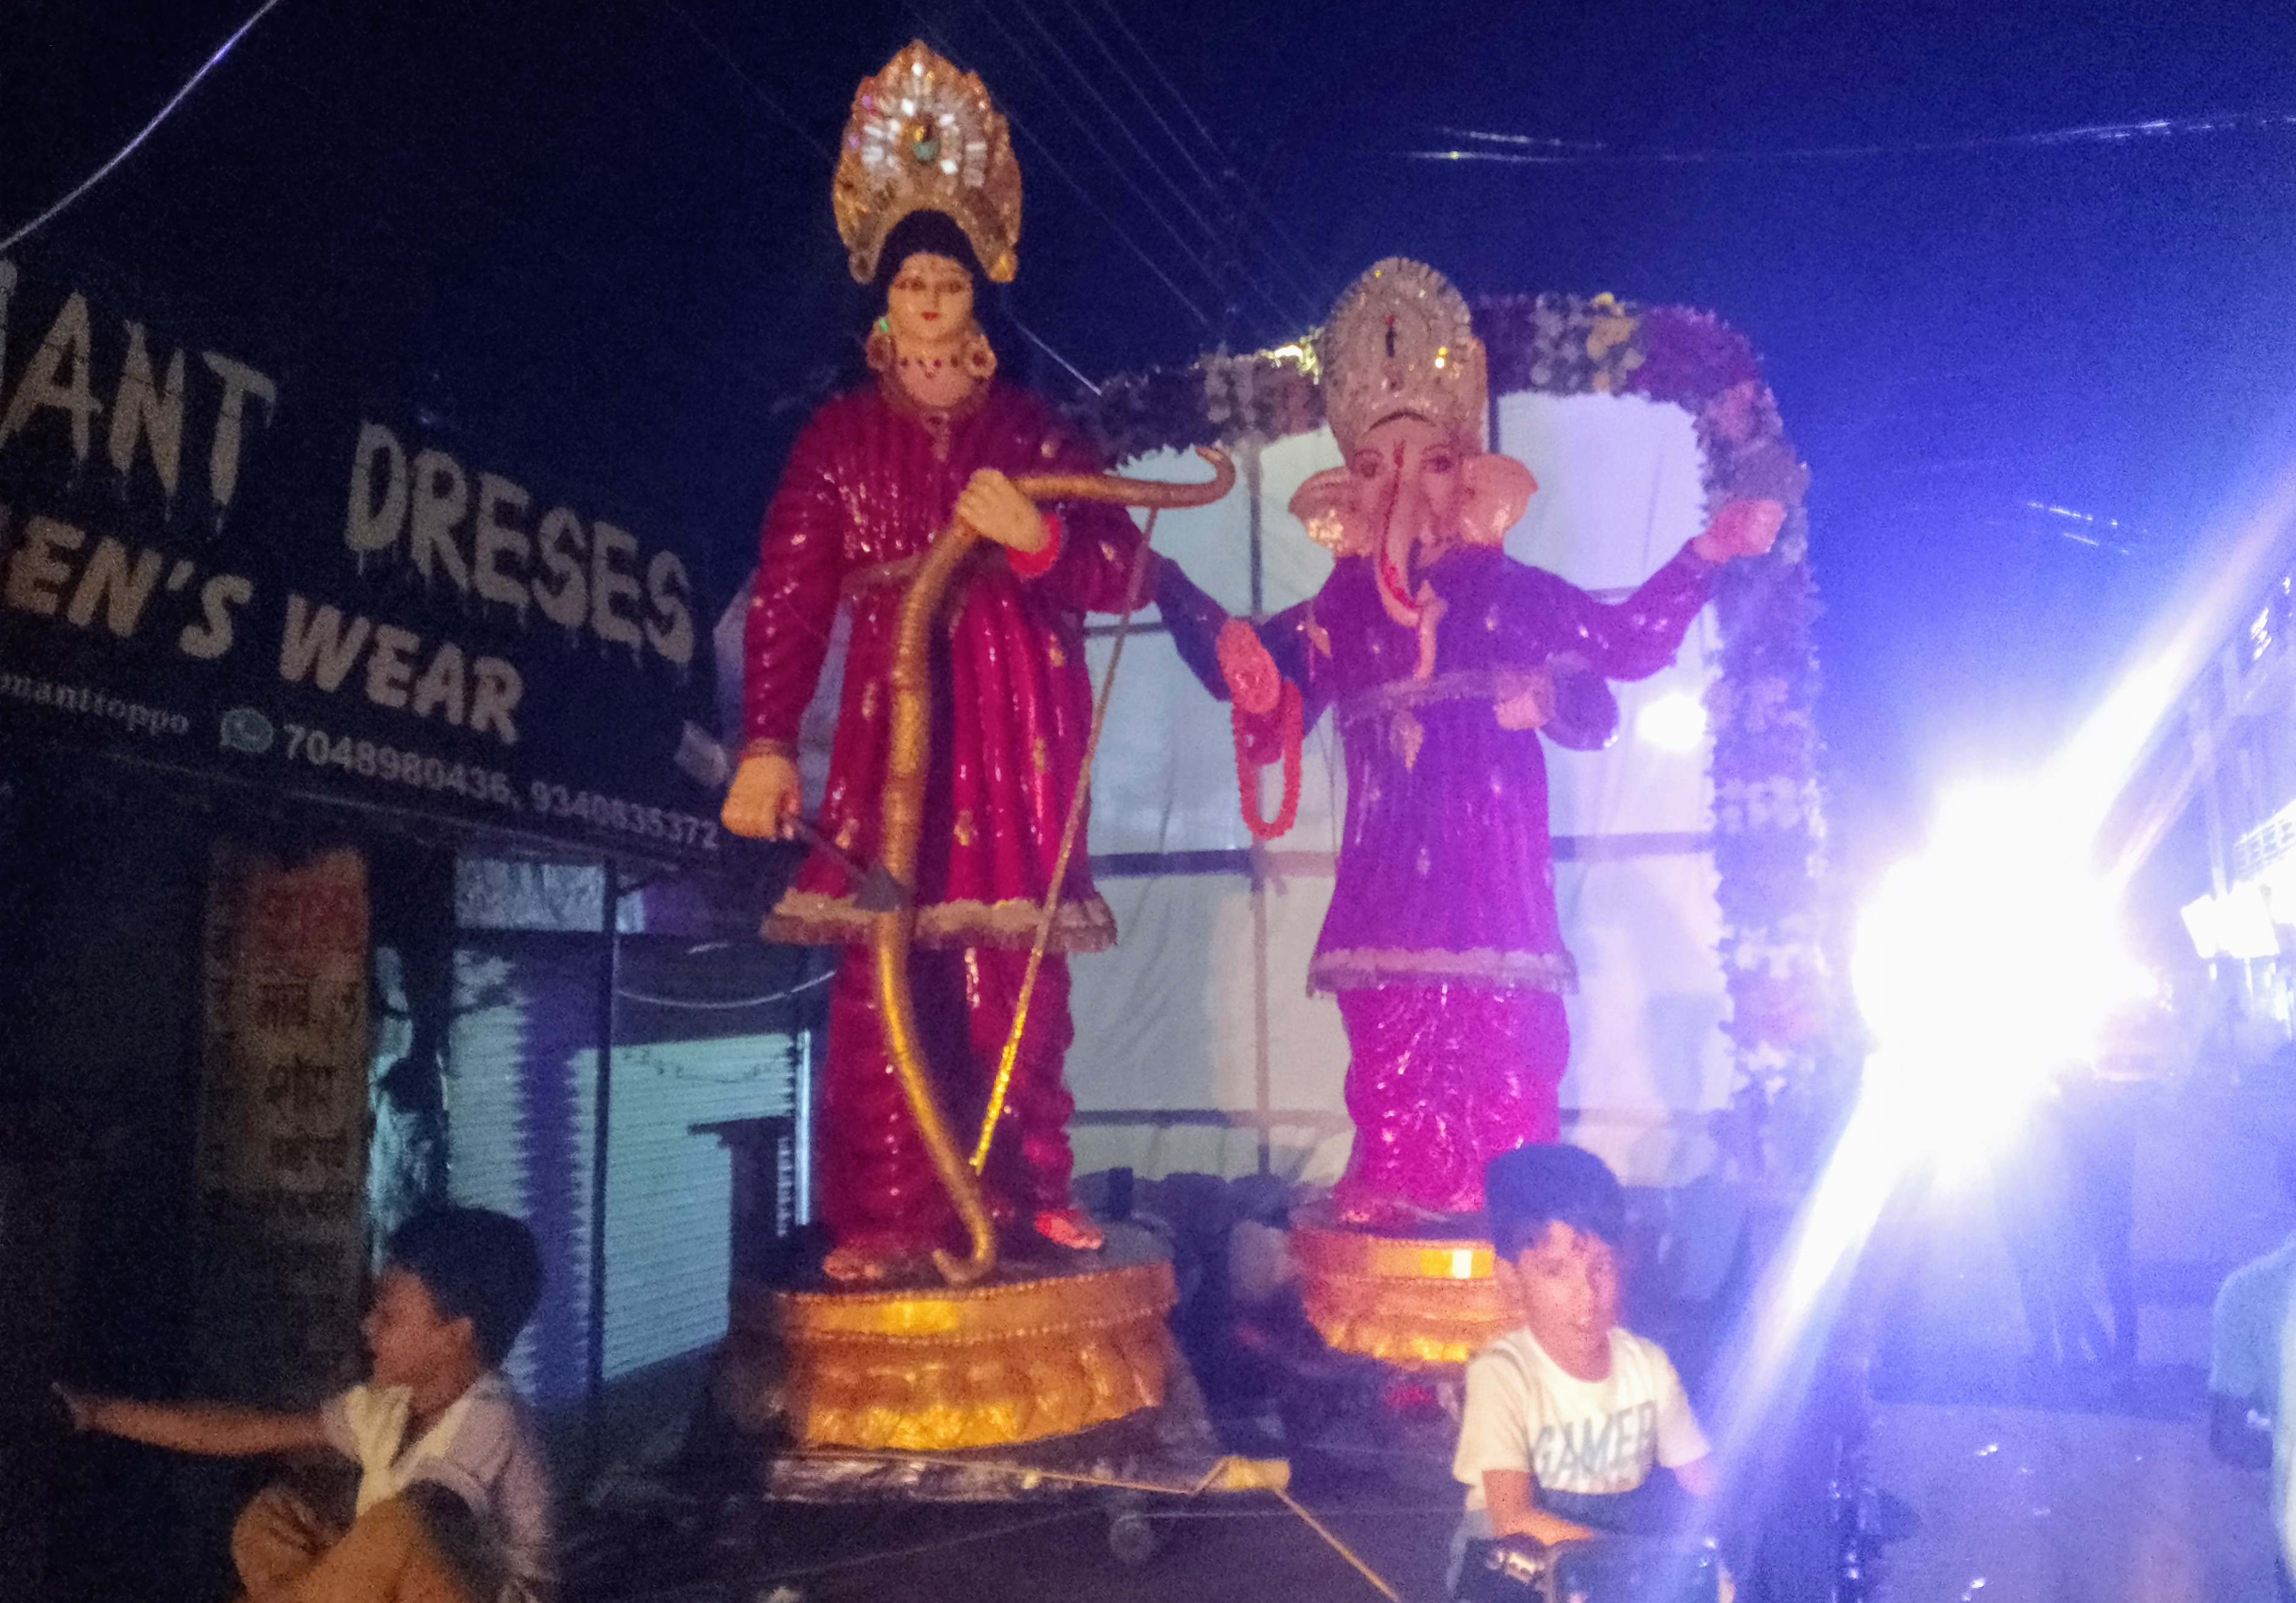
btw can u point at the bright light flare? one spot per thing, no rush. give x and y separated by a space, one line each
1972 1016
1673 723
1984 966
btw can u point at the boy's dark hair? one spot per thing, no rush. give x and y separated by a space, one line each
477 1264
1532 1186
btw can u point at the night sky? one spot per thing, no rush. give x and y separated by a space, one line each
599 234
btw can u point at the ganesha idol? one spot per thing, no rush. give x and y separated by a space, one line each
1445 662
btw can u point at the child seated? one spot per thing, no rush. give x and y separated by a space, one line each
1566 1413
453 1503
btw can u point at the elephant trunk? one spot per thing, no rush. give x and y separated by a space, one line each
1403 529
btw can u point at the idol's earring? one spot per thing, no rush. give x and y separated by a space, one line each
877 351
979 357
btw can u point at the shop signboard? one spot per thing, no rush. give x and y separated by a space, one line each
233 559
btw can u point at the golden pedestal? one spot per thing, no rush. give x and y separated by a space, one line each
1426 1303
935 1368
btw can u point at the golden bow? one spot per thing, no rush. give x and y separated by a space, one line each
902 819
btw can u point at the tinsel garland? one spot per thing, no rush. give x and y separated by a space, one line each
1768 818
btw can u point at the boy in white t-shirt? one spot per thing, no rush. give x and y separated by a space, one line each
453 1505
1565 1414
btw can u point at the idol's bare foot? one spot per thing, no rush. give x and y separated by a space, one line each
857 1265
1384 1213
1071 1227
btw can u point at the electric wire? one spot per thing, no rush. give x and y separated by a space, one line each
1038 341
1525 149
1061 171
72 196
1275 226
1194 259
1217 238
1245 192
716 47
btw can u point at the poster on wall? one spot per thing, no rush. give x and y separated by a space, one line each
283 1125
231 561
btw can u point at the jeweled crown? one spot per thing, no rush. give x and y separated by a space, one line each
924 136
1401 343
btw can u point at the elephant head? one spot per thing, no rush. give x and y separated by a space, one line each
1408 492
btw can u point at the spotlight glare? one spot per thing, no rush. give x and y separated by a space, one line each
1983 967
1673 723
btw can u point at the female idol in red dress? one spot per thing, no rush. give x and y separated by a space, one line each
928 204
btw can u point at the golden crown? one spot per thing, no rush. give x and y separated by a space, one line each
1401 343
923 137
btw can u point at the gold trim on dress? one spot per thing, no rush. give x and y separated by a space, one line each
1492 684
1354 968
809 919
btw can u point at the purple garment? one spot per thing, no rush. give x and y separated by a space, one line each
1445 872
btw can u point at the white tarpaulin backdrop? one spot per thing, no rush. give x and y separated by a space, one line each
1196 1041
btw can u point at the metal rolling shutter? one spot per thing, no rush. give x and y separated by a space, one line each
521 1098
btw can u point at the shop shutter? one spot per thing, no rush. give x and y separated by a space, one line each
522 1100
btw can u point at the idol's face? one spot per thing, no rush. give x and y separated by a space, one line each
1409 493
930 302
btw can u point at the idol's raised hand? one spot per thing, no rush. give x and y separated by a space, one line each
1741 528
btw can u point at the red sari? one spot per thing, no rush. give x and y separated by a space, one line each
870 482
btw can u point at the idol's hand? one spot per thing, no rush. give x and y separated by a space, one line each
1248 668
1528 703
995 508
764 797
1741 528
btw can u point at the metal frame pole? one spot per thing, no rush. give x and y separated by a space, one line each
601 1136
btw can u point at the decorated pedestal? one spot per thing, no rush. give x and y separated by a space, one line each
1033 1352
1420 1302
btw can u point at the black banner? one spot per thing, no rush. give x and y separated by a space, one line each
218 558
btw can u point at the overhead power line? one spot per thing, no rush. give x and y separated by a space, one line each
932 36
1250 194
1221 240
716 47
142 133
1524 150
1224 195
1122 170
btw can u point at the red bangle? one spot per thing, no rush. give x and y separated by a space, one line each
1036 564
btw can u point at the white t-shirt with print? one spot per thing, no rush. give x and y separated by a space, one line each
1525 1412
482 1449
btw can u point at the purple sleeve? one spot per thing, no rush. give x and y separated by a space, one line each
1585 712
1630 639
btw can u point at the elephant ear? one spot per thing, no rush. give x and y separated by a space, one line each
1498 489
1326 505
